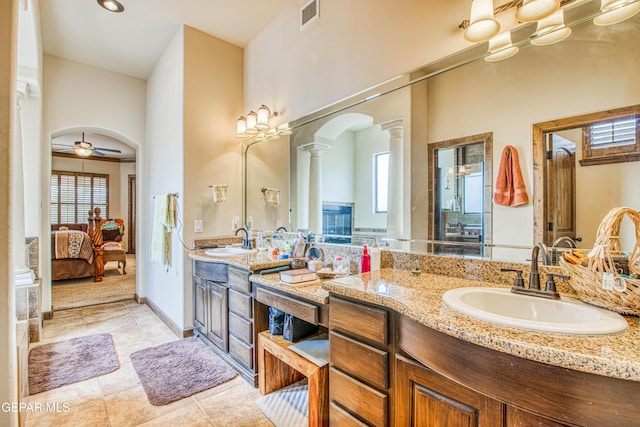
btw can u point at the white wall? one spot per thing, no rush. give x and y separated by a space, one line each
351 47
78 97
165 173
368 143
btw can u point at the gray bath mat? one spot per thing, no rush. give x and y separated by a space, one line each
65 362
178 369
287 407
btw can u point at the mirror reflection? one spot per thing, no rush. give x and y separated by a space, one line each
592 70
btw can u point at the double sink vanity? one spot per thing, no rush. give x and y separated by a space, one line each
400 355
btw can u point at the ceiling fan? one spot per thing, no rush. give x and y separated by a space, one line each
86 149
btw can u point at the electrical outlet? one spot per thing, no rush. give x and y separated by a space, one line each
235 223
279 223
197 226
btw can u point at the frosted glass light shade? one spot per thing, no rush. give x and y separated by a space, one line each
551 30
82 152
615 11
534 10
252 119
284 129
482 26
241 127
262 122
501 48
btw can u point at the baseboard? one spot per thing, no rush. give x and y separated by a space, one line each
178 331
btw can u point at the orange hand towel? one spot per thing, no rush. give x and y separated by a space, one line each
510 189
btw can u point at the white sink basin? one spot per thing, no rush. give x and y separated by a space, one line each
567 315
232 251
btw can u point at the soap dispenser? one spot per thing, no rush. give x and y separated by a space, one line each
365 264
375 257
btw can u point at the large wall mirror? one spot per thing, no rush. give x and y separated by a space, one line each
327 167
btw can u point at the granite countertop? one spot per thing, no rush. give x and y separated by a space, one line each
310 291
420 298
253 262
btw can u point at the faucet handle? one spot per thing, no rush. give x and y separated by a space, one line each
519 282
550 286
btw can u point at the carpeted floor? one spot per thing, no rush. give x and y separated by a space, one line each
178 369
84 292
66 362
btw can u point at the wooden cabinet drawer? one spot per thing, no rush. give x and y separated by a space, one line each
211 271
241 328
242 352
340 417
358 398
365 322
239 280
240 304
300 309
361 360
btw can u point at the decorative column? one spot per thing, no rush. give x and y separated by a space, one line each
315 185
23 274
395 203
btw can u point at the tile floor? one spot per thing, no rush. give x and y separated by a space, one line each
118 399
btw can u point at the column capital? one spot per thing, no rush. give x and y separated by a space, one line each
314 146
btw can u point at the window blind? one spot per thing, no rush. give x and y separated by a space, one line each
73 194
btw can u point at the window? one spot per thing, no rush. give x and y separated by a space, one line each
73 194
381 181
611 141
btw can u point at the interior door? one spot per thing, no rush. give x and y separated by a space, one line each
131 236
561 180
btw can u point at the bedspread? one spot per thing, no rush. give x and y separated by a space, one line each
72 244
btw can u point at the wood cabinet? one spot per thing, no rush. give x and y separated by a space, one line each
225 314
359 375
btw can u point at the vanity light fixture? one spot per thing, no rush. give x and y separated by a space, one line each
501 48
481 25
614 11
551 30
258 125
111 5
534 10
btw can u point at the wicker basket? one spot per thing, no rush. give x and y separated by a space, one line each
587 281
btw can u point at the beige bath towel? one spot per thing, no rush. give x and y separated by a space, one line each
164 220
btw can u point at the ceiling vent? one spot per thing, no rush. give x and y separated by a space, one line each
309 12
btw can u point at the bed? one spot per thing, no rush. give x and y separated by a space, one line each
81 250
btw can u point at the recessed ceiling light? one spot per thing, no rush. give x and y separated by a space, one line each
111 5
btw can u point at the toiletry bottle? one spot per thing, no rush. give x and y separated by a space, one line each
365 264
375 257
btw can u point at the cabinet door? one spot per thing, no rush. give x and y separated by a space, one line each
218 315
200 305
426 398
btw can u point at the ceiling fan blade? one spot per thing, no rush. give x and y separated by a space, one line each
111 150
62 145
95 152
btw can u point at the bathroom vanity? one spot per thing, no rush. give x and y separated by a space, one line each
225 312
422 361
400 356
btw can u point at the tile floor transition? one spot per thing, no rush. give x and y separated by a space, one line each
118 399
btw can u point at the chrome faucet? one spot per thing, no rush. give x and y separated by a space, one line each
246 244
534 279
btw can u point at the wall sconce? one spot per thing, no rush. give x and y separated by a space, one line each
534 10
481 25
614 11
258 126
501 48
551 30
219 193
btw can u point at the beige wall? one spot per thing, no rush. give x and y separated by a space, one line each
8 363
212 104
536 85
78 97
